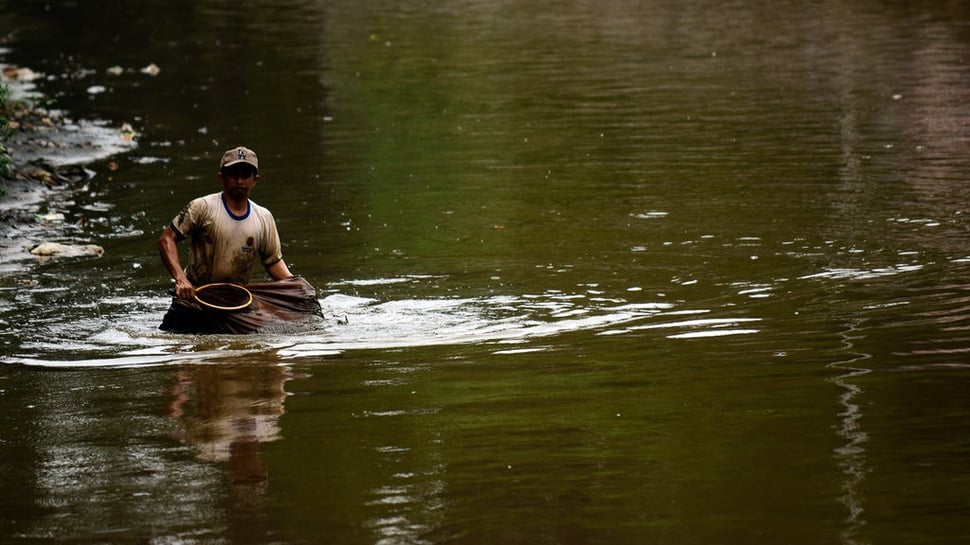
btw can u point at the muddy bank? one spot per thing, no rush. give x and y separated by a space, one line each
48 152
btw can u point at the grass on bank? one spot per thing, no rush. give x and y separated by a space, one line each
4 135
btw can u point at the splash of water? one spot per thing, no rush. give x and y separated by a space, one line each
125 333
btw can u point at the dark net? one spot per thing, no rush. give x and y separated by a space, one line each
284 304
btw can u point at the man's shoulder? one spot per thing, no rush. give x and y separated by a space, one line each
260 210
206 202
211 198
206 199
195 211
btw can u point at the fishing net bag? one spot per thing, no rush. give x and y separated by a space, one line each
231 308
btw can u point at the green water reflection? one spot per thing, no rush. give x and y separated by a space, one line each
614 272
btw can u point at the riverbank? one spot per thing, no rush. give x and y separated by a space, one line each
50 153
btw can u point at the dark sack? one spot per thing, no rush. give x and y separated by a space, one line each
281 305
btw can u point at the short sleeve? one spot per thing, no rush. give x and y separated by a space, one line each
188 217
272 250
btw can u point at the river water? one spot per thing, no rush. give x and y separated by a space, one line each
595 272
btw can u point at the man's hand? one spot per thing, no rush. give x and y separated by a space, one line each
183 288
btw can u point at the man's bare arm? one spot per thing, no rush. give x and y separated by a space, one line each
168 250
279 270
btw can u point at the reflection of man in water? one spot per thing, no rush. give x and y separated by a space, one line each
225 412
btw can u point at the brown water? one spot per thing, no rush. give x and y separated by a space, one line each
614 272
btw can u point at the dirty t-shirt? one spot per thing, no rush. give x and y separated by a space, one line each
224 246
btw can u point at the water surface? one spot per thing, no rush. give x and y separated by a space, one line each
616 272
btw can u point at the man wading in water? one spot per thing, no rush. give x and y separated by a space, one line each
228 233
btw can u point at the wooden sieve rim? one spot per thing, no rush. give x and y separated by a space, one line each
249 296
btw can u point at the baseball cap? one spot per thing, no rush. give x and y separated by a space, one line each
238 155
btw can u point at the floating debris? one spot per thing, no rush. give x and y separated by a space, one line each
52 217
128 133
152 69
48 249
20 74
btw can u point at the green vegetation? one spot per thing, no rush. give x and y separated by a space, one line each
4 134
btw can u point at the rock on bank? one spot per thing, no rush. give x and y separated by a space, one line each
48 152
